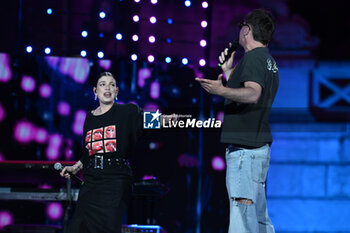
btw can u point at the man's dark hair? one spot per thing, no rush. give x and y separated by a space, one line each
262 24
95 81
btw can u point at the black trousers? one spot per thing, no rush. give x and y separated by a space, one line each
101 204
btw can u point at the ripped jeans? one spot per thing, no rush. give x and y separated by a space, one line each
245 182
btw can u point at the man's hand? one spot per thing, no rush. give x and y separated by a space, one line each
214 87
227 67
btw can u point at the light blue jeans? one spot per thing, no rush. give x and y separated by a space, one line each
245 179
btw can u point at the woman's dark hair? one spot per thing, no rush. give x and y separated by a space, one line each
262 24
95 81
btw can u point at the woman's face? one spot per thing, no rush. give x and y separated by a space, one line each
106 89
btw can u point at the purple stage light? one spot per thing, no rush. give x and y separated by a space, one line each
53 148
220 116
151 107
78 123
154 145
153 19
154 1
202 62
205 4
2 113
204 24
151 39
5 70
6 218
24 132
2 157
148 177
45 186
54 210
136 18
105 64
142 75
68 153
137 1
150 58
218 163
155 90
133 57
28 84
41 135
203 43
188 160
63 108
45 90
135 37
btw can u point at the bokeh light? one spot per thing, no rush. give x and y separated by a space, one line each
218 163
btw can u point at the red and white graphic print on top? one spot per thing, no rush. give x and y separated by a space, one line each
101 140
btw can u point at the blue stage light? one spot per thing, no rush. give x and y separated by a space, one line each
47 50
168 40
184 61
102 15
49 11
84 33
101 35
170 21
83 53
167 59
29 49
100 54
187 3
134 57
119 36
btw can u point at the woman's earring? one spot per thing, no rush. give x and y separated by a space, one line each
95 97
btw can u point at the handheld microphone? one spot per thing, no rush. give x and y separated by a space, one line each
59 167
233 48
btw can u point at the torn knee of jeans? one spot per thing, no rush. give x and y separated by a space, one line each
244 201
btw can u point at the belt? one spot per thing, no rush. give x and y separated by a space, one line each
104 162
233 147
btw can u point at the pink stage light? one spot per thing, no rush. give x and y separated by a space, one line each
136 18
153 19
135 37
202 62
155 90
53 148
68 153
205 4
5 70
148 177
63 108
28 84
142 75
78 123
204 24
45 186
150 58
2 157
45 90
24 132
6 218
54 210
2 113
151 39
203 43
218 163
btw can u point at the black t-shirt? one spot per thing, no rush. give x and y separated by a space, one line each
112 134
247 124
